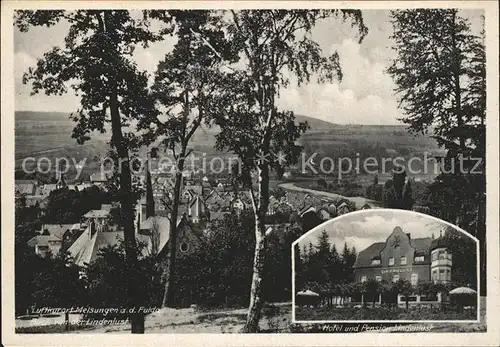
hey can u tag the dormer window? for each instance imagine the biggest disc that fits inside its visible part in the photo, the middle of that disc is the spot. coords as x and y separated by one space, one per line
376 261
391 261
403 260
419 258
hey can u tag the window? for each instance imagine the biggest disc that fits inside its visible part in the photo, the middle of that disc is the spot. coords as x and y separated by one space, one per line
363 279
403 260
184 247
434 256
419 258
391 261
442 255
434 276
395 278
442 275
378 278
375 261
414 279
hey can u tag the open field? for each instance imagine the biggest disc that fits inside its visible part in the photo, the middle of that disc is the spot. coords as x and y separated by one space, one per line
49 134
359 201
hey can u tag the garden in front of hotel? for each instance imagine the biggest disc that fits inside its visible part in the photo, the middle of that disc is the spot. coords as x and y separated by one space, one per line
385 312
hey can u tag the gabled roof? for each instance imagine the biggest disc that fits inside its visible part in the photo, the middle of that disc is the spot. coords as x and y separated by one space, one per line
34 199
43 240
47 189
364 259
195 200
98 177
80 247
25 188
323 213
342 205
106 206
81 186
58 229
422 244
195 188
97 214
163 225
86 248
16 182
306 209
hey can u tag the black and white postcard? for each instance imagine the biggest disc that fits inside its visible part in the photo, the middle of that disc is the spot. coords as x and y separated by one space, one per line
248 173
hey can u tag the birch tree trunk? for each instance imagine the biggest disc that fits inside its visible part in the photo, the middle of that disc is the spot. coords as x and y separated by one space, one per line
256 302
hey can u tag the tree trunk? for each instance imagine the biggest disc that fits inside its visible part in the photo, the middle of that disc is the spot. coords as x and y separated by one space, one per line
126 203
168 295
66 319
127 215
150 202
254 310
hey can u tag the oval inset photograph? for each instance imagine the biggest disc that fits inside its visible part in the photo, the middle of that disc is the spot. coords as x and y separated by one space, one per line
386 265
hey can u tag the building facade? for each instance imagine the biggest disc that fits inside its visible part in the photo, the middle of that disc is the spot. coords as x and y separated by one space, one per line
400 257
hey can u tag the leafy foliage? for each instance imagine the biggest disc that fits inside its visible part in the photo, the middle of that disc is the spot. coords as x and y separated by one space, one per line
440 75
185 92
324 270
398 192
106 281
57 283
68 206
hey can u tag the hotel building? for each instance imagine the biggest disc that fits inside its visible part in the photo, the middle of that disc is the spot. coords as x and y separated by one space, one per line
401 257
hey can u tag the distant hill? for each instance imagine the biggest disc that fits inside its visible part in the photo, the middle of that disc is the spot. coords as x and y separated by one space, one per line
20 116
314 123
42 116
49 133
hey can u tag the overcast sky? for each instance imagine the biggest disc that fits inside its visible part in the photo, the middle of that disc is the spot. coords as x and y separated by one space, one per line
365 95
363 229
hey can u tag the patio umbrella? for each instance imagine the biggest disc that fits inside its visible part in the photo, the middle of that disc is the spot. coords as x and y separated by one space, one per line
463 290
308 293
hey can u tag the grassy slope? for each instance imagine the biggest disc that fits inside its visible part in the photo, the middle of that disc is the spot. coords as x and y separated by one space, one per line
231 321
